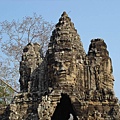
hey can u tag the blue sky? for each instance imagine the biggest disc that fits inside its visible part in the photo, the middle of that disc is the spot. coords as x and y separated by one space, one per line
92 19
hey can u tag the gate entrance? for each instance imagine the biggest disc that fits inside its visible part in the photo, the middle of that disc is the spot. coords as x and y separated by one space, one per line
64 109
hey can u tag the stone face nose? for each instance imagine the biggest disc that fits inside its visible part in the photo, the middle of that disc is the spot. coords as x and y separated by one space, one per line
61 69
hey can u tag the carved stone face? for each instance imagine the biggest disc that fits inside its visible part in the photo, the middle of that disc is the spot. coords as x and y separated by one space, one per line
65 70
62 68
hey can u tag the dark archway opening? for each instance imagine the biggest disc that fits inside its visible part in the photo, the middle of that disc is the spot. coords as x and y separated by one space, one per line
64 109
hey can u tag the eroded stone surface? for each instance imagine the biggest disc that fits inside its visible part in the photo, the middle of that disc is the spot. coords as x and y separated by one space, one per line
67 81
65 54
30 61
32 69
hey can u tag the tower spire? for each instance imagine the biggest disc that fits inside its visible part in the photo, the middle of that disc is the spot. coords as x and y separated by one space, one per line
65 49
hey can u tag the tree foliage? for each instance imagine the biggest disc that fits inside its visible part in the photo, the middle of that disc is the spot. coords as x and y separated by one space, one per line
14 36
6 93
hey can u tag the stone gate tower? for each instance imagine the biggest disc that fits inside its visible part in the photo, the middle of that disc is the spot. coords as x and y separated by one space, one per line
67 82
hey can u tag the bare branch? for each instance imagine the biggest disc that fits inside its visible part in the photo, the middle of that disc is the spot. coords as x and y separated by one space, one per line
15 35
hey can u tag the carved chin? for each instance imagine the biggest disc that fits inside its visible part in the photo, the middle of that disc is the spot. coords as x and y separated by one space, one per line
61 76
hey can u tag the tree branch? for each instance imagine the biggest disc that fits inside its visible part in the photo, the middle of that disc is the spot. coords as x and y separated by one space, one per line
9 86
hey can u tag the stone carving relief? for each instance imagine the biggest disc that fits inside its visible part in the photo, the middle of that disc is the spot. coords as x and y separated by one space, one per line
67 81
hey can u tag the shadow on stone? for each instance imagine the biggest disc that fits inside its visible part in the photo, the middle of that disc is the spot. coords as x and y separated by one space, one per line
6 112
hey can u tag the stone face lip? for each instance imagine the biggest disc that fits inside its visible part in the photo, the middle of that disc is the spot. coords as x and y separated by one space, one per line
67 82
